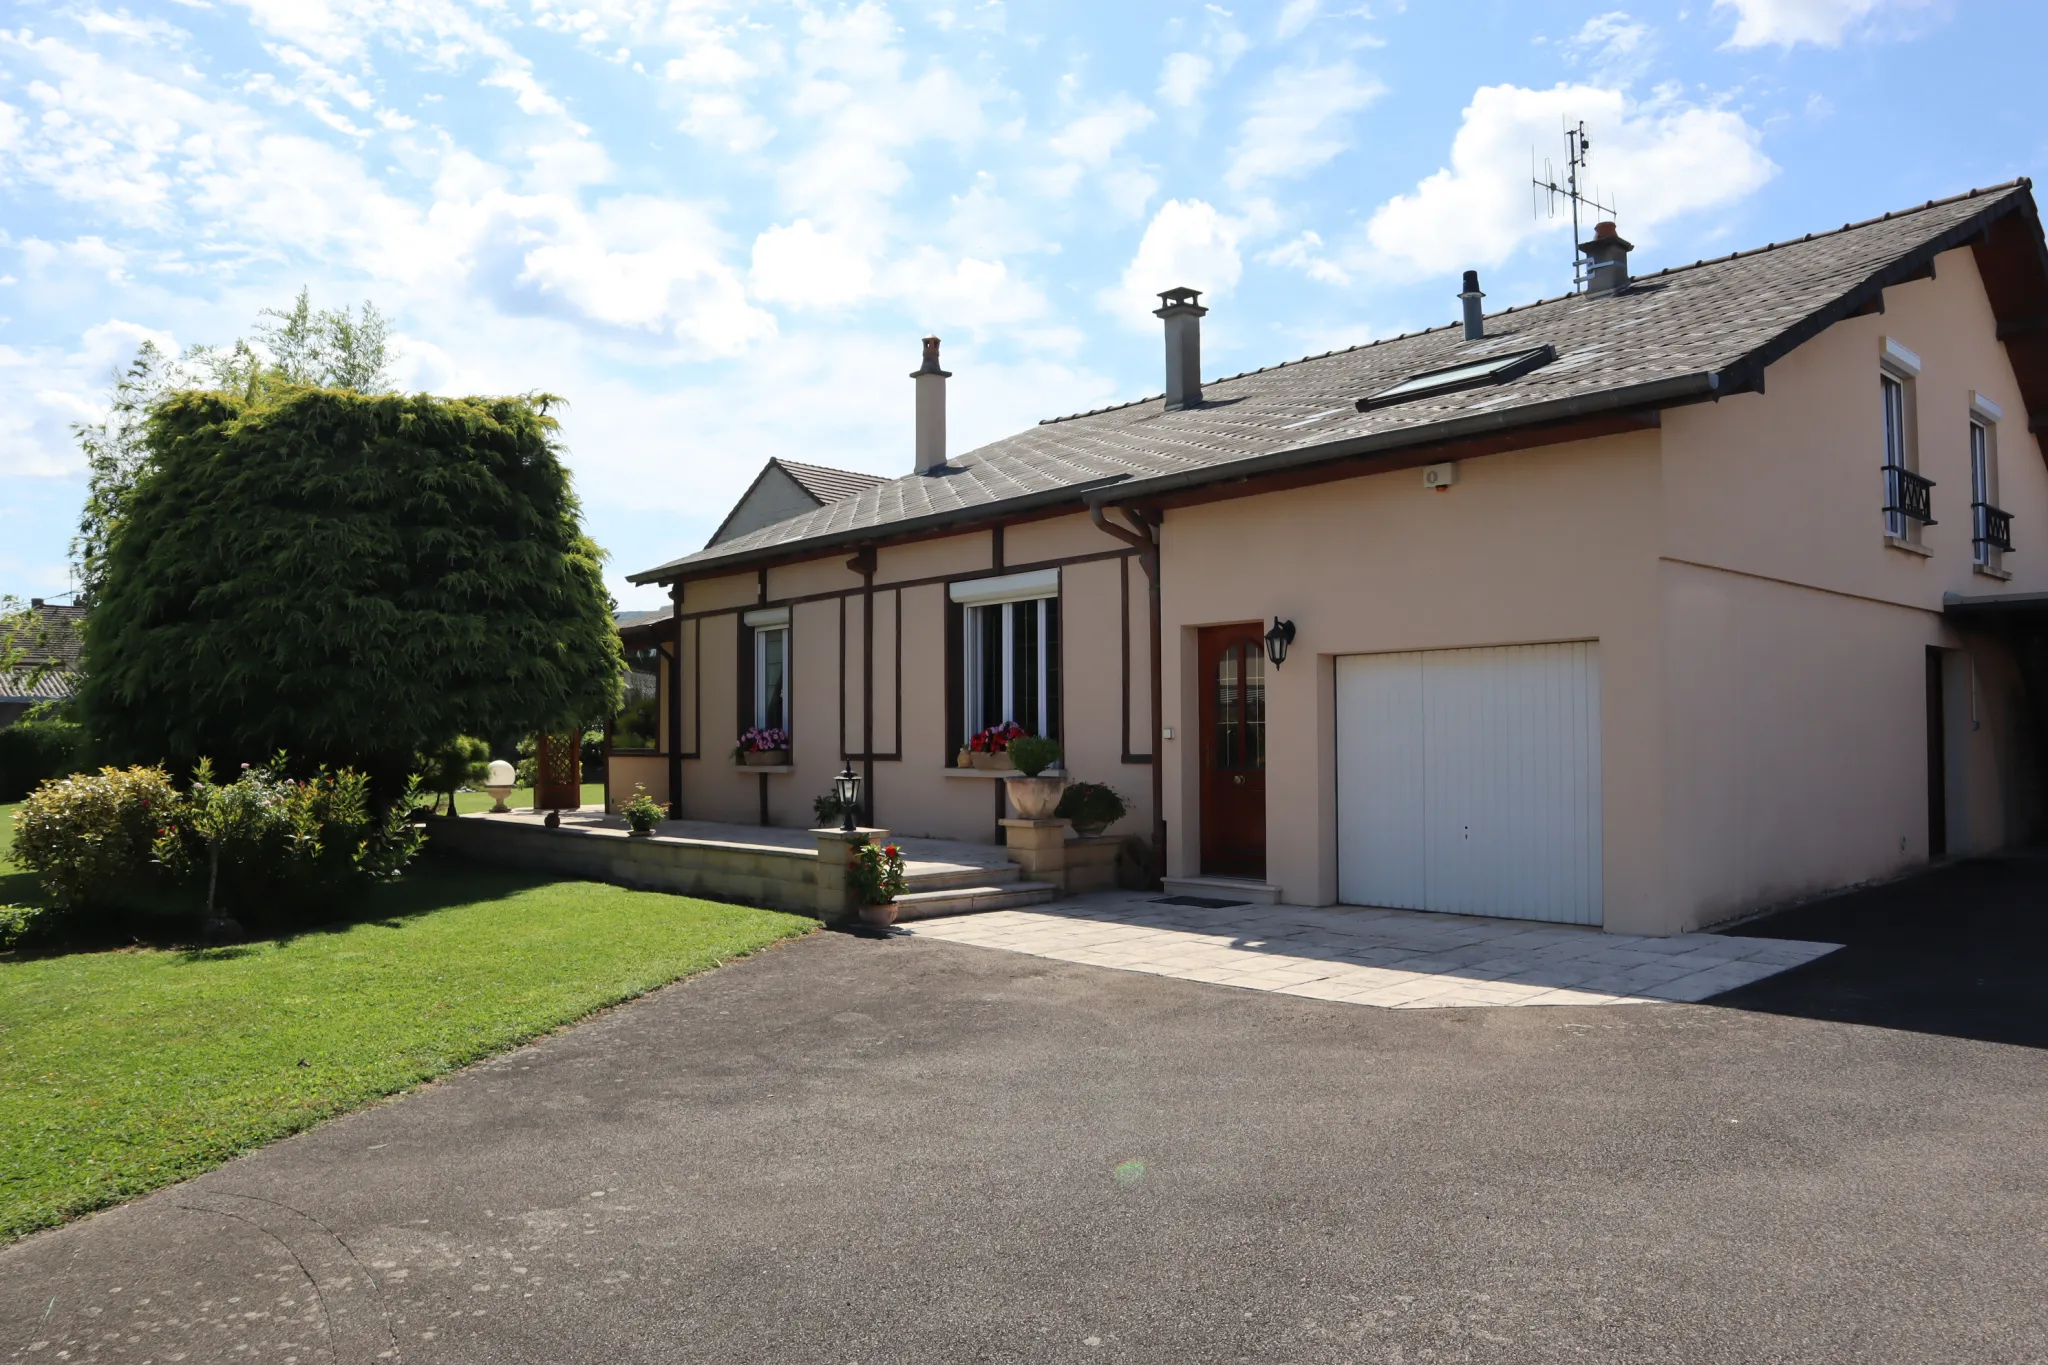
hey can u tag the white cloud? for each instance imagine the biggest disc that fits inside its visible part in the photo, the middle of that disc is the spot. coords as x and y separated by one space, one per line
1660 160
1305 253
1091 138
1184 76
1783 23
1294 17
726 121
1298 123
804 267
1186 244
1616 47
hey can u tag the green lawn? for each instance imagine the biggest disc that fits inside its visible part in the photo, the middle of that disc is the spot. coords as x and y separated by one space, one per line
469 803
123 1071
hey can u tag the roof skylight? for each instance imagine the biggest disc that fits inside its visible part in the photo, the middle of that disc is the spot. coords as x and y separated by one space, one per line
1496 369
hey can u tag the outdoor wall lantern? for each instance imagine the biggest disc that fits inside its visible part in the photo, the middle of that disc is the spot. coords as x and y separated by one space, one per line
846 787
1277 640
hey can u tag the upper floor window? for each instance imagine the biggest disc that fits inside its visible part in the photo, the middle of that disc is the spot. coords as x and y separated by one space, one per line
1908 498
1010 652
1990 526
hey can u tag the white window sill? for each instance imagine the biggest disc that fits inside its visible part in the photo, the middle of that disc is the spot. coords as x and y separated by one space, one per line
764 767
1989 571
1911 547
996 772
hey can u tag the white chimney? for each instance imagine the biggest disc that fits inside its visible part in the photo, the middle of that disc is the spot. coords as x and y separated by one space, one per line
931 409
1182 312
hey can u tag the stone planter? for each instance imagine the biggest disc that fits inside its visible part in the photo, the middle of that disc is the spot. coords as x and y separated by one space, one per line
639 834
766 758
1089 831
880 916
994 763
1034 798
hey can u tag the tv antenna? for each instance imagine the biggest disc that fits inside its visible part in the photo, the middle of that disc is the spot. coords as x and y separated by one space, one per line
1576 145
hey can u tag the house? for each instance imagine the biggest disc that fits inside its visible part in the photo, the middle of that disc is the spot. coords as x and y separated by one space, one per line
49 664
1644 606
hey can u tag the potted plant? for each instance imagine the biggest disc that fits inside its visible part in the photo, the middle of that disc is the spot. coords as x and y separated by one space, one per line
877 874
1091 807
990 749
1033 796
642 813
763 747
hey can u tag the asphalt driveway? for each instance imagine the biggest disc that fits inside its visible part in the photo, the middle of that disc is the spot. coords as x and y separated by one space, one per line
853 1152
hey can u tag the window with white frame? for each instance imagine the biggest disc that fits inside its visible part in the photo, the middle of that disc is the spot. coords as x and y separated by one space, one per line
770 628
1908 498
1010 652
1990 526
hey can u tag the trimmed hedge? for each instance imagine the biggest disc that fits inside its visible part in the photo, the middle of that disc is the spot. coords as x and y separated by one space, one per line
34 751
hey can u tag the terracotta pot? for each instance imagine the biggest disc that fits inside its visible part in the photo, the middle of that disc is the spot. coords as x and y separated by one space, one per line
881 916
767 758
1034 798
994 763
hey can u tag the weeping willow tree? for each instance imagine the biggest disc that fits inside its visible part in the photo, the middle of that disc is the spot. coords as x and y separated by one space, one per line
349 577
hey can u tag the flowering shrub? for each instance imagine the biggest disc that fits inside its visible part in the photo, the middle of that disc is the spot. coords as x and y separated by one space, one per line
88 837
877 873
996 739
643 811
761 741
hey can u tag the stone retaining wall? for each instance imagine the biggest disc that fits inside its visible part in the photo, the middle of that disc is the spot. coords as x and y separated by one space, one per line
779 879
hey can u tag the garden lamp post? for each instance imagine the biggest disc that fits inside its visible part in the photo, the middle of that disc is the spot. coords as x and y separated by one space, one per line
846 787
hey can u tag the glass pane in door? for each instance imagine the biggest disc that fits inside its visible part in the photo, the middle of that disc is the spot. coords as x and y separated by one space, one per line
1228 746
1254 707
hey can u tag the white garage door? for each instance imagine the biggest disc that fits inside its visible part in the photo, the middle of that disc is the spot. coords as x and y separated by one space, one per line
1468 780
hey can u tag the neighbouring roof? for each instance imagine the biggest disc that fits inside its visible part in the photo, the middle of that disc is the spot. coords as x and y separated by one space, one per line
638 629
821 485
60 624
1677 335
828 485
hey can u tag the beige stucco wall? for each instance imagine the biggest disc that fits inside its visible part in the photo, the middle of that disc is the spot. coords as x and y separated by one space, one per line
1529 547
1795 636
915 794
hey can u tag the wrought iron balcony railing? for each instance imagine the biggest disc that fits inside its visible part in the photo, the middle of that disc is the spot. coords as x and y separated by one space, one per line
1994 528
1908 495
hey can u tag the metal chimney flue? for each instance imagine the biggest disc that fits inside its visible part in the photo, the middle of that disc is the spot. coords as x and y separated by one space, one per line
1182 312
1475 318
931 409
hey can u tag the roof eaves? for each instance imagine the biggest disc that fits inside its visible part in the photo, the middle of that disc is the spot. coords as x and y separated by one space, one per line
1749 371
706 565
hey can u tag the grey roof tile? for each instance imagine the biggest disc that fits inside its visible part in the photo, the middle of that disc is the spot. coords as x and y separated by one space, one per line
1709 318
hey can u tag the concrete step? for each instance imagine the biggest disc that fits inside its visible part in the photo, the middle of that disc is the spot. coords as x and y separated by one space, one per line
962 900
1239 889
947 876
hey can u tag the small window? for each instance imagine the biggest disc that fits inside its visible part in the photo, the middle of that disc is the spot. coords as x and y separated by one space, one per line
1990 526
771 678
637 726
1012 657
1908 498
1493 370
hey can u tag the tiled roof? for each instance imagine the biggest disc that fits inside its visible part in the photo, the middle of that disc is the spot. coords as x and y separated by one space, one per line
60 623
829 485
1688 331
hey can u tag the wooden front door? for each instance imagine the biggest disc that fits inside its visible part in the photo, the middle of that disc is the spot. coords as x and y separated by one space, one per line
1233 746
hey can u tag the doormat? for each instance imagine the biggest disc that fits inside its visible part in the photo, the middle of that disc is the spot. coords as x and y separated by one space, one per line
1198 902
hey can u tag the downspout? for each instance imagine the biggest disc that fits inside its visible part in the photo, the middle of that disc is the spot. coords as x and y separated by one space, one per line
864 565
675 711
1145 537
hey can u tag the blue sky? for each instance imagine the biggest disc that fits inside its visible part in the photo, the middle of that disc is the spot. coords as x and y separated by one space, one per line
720 229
